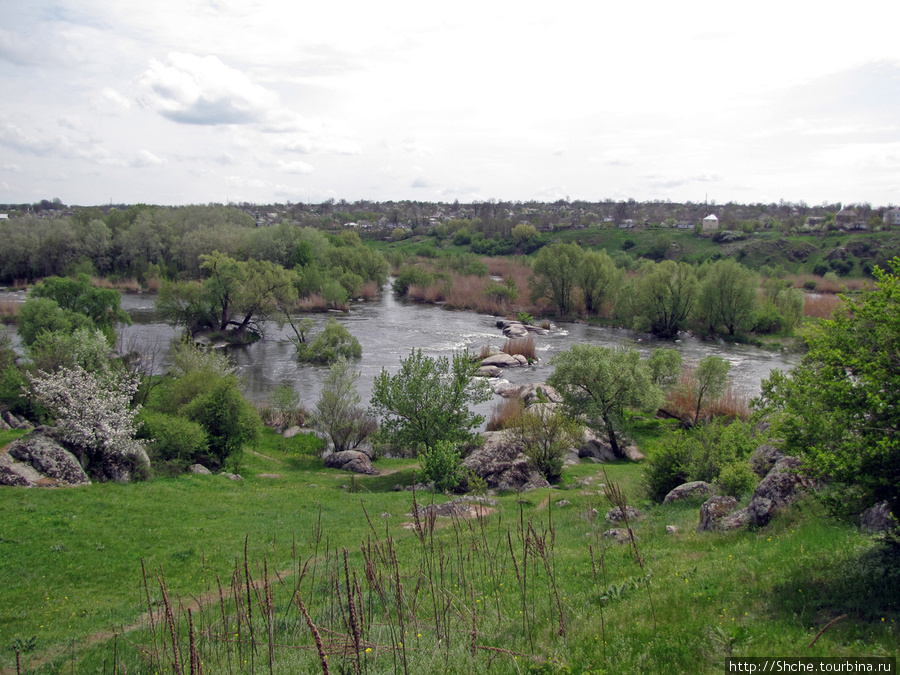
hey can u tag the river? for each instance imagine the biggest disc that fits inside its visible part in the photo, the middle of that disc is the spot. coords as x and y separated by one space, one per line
388 328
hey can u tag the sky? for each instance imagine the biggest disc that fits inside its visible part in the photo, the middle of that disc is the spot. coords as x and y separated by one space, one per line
193 101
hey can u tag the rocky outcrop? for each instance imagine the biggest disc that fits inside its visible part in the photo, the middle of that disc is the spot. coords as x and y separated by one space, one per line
10 421
350 460
693 490
877 518
39 460
764 458
714 510
501 463
121 467
461 507
783 484
504 360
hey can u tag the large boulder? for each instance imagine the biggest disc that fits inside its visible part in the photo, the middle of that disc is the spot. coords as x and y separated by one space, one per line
350 460
714 510
38 459
691 490
764 458
501 463
489 371
877 518
122 467
504 360
781 486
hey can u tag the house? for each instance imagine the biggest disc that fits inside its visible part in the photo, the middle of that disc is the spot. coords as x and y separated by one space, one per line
711 222
684 225
845 218
892 217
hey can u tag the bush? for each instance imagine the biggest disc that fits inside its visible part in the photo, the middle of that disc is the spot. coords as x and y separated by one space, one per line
230 421
736 479
442 465
333 343
700 454
172 437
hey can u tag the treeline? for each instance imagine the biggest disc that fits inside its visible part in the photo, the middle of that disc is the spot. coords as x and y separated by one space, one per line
721 297
146 243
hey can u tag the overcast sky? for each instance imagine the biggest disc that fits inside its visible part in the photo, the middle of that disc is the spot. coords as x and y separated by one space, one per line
191 101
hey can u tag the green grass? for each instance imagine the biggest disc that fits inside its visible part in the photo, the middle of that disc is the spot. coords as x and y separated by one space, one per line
71 562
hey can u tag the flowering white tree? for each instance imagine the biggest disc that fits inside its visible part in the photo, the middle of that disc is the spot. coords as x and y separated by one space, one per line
93 410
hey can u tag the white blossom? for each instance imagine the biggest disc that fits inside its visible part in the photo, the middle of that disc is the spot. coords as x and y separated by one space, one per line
92 410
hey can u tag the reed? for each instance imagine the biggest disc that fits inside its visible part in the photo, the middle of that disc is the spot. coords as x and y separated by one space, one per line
820 306
524 346
9 311
505 414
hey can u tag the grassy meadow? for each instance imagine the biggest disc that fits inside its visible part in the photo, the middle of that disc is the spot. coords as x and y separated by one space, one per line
300 569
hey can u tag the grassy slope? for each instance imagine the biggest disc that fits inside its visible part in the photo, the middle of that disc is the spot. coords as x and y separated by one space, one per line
797 253
70 561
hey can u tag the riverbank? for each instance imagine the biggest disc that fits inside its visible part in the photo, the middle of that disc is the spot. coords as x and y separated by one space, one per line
82 564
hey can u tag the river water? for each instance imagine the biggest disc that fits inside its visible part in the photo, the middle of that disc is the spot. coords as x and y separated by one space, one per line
388 328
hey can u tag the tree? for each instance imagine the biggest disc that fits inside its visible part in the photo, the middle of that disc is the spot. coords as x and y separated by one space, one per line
428 400
338 413
712 378
598 278
101 305
230 420
333 343
599 383
727 297
93 411
554 279
546 434
839 409
664 297
665 366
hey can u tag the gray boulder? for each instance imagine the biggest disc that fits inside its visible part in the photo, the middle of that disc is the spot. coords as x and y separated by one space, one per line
616 515
691 490
489 371
621 535
199 470
877 518
14 422
350 460
501 463
764 458
514 329
504 360
290 432
49 462
714 510
122 467
781 486
538 392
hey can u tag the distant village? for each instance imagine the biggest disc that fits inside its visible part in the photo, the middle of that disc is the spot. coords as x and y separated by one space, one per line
419 217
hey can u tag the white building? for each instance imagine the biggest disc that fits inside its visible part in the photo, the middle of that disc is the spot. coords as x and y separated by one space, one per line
711 222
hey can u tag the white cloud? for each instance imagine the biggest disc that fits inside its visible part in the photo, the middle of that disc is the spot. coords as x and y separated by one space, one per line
145 158
295 167
118 102
203 90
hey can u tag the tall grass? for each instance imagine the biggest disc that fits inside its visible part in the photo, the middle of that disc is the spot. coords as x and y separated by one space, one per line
820 306
9 311
523 346
505 414
830 286
681 401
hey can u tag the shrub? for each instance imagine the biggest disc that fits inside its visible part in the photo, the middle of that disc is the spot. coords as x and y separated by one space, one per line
92 410
333 343
699 454
172 437
442 465
546 435
736 479
230 421
338 414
